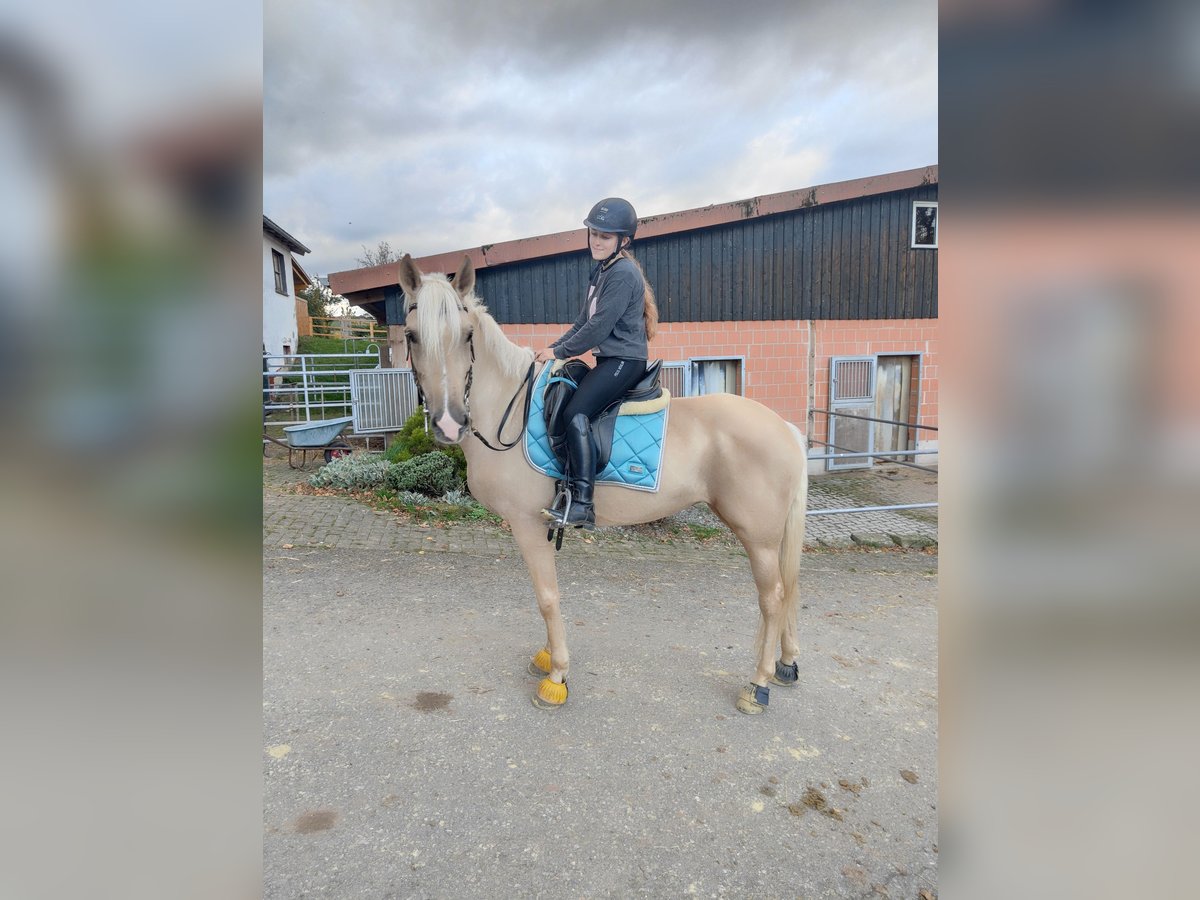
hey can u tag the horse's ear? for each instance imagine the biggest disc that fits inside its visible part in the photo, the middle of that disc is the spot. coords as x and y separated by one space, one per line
410 276
464 279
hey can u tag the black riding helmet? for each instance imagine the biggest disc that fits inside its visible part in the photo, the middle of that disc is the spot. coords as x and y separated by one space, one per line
613 215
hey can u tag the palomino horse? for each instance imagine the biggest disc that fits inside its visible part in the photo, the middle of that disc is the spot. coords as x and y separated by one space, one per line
743 460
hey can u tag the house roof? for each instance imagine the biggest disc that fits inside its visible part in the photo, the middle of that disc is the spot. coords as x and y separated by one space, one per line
283 237
298 271
359 281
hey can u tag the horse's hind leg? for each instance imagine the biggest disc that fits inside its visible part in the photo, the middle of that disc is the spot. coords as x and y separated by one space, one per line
553 661
764 562
789 647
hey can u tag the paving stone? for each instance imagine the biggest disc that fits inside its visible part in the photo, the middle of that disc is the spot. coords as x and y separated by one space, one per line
339 521
835 543
871 540
913 541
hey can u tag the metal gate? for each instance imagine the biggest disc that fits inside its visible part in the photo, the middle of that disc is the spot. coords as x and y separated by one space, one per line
309 387
851 392
382 399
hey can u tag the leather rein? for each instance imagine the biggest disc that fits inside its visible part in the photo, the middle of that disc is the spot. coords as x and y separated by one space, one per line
526 384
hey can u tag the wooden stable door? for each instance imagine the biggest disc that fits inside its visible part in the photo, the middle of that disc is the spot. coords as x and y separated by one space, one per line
896 379
879 387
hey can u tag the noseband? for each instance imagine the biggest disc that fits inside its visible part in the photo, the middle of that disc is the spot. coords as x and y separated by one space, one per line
526 384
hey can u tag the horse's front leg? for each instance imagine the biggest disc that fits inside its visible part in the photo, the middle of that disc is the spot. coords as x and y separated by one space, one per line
552 661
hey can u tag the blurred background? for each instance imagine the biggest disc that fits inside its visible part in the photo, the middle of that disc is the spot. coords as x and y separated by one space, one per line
130 630
130 626
1070 571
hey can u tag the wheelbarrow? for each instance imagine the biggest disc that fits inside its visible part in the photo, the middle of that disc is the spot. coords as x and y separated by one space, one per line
325 436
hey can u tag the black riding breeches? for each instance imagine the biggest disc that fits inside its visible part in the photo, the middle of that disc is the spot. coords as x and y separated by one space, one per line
608 381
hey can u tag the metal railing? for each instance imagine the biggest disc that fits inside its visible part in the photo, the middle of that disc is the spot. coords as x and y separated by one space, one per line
872 454
308 387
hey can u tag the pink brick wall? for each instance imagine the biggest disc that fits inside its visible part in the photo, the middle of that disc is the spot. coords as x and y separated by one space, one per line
777 355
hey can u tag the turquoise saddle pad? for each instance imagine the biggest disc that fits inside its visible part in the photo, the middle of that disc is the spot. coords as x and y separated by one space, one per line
636 450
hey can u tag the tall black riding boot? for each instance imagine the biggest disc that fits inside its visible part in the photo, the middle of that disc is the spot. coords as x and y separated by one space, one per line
581 473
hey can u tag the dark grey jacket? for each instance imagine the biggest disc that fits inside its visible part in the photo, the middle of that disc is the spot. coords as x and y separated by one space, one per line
617 328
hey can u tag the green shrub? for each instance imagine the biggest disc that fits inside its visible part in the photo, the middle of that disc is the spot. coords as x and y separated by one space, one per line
432 474
411 441
356 472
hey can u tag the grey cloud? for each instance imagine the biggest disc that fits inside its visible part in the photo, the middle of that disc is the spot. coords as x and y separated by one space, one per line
424 122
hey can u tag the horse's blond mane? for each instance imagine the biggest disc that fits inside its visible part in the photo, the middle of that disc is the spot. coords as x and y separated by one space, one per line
437 312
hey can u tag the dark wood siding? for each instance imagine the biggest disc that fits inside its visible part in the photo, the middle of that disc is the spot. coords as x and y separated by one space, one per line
848 260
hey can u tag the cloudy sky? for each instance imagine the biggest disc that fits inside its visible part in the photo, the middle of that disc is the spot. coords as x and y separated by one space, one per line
438 126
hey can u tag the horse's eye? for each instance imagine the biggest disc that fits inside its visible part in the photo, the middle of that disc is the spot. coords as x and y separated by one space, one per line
412 338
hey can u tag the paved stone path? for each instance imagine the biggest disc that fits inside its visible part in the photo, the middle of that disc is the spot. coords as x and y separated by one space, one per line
879 486
341 522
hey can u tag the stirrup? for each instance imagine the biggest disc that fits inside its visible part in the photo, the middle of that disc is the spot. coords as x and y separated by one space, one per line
559 513
556 512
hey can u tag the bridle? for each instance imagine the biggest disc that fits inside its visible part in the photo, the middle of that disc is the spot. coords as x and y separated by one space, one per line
526 384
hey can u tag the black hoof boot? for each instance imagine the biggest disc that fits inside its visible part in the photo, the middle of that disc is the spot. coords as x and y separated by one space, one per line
785 675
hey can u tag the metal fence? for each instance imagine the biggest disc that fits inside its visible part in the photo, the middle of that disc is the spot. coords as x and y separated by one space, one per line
849 453
308 387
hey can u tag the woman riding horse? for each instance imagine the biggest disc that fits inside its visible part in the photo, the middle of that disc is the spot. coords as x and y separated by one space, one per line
618 320
730 452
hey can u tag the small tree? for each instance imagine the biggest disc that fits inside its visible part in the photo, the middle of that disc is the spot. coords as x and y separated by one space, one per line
323 302
314 295
381 255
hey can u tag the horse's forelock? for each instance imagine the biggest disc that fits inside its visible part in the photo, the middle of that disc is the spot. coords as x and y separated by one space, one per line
437 314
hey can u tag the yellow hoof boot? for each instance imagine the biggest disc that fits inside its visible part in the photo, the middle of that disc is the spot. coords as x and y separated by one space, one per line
550 694
753 699
540 664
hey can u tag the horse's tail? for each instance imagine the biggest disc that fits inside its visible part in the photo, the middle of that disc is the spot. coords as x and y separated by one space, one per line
793 535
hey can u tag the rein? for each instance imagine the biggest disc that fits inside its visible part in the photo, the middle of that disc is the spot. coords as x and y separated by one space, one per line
526 384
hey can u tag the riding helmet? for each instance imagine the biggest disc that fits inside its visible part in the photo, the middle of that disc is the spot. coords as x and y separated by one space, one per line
614 216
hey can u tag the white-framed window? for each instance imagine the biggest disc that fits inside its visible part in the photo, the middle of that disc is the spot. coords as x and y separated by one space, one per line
924 224
715 376
703 375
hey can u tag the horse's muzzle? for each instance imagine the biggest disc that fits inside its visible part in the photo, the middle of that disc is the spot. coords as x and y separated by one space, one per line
448 430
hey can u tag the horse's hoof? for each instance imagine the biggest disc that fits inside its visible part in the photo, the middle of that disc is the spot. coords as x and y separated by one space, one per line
785 675
540 664
550 695
753 699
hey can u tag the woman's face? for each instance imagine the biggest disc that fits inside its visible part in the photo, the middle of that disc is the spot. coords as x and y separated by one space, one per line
602 243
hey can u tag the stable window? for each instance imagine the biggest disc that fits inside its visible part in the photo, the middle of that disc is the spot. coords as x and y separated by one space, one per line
702 376
924 224
280 280
715 376
673 376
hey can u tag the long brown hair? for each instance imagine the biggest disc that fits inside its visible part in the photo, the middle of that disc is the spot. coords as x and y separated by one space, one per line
650 309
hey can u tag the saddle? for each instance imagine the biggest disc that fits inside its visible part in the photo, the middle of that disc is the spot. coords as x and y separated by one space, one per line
644 397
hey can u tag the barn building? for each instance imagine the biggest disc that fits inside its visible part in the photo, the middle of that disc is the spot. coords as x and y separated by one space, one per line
778 298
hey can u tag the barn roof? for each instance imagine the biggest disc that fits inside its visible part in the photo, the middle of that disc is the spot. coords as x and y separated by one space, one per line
359 281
